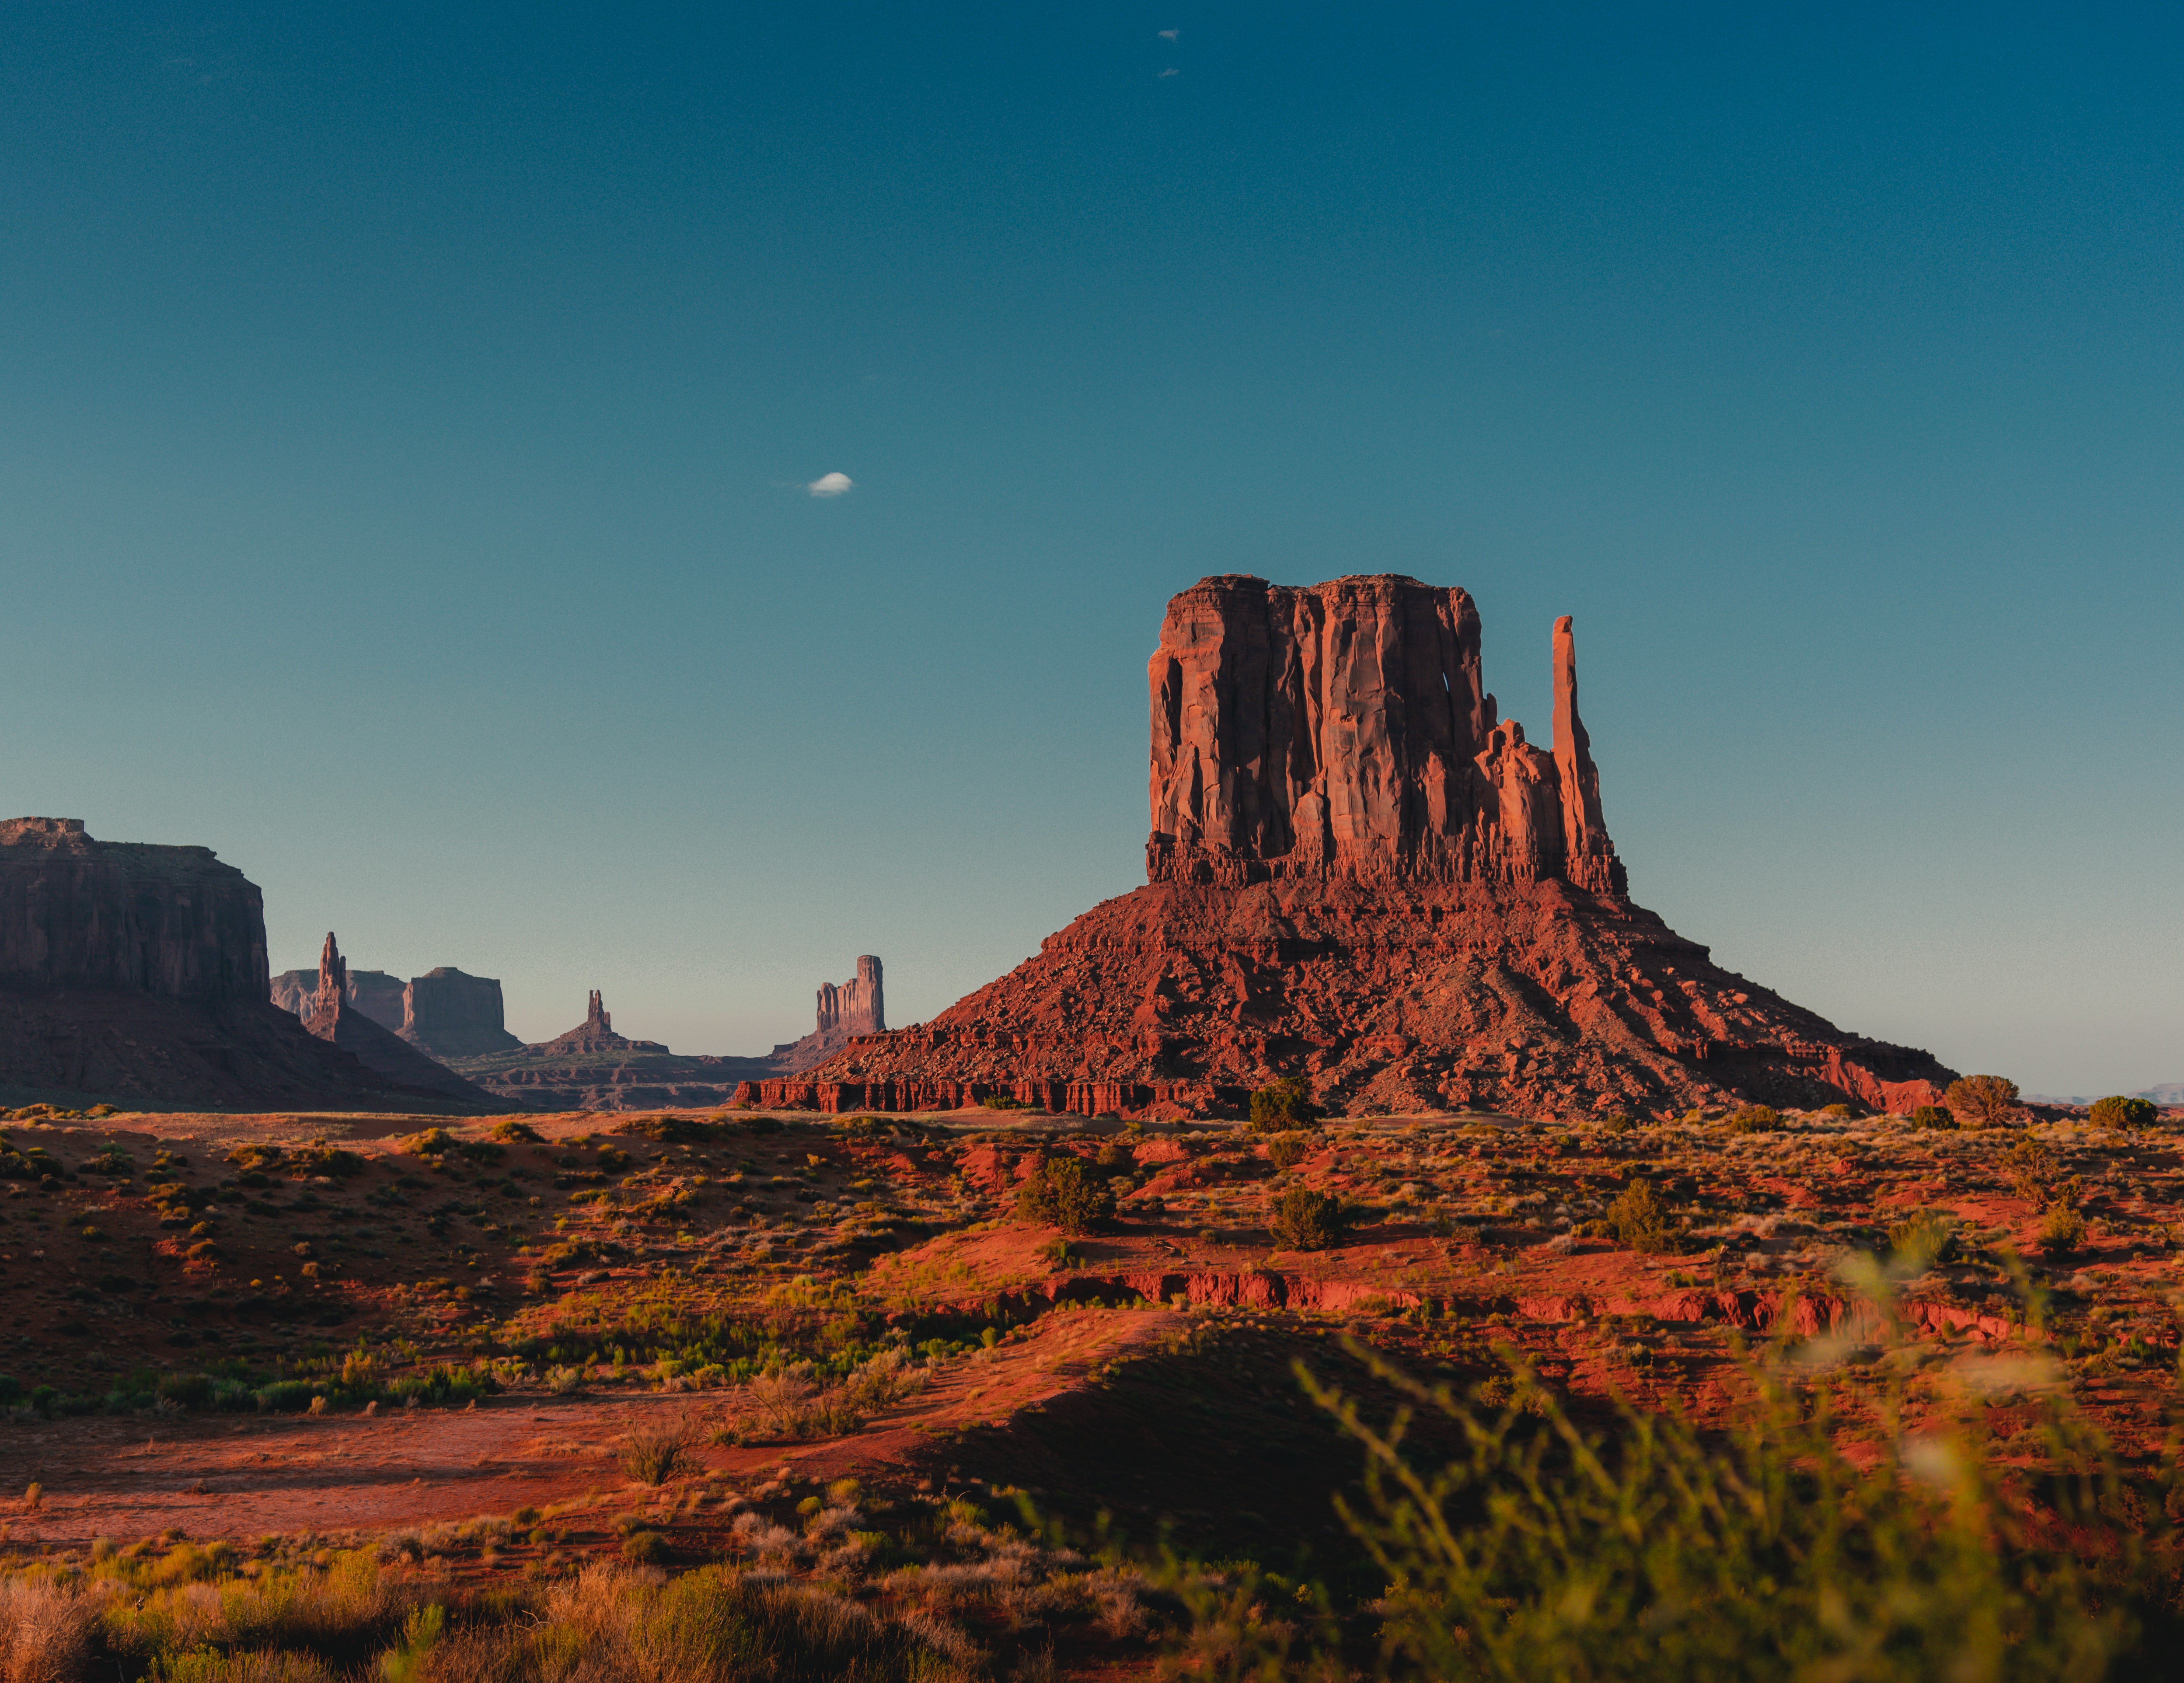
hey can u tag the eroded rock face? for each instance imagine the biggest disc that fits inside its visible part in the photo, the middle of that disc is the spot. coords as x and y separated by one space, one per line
1343 729
854 1008
76 912
375 993
448 1014
137 974
334 1019
1360 874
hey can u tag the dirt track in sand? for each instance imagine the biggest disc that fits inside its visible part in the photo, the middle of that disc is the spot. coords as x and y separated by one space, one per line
224 1476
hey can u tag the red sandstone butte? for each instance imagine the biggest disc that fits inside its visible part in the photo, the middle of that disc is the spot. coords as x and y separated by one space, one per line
1359 873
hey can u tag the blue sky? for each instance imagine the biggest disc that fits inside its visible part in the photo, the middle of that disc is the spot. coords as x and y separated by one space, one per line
405 411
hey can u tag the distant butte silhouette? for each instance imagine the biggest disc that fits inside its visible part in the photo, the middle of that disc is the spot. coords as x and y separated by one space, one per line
1359 874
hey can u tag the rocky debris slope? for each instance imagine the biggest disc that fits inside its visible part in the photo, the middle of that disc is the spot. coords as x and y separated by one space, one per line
336 1020
137 974
1359 874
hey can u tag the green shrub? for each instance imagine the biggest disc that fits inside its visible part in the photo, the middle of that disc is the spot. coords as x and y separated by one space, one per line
287 1396
1287 1150
2062 1231
1841 1113
1305 1220
646 1548
1284 1105
1638 1218
2118 1112
1982 1101
1931 1115
1780 1543
1754 1119
511 1132
1921 1239
190 1390
1062 1193
1617 1121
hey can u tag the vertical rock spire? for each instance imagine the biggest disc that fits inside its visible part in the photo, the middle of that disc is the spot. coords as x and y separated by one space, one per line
333 977
1589 859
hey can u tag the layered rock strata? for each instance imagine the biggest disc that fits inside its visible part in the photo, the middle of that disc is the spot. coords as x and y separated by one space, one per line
1359 873
137 975
591 1067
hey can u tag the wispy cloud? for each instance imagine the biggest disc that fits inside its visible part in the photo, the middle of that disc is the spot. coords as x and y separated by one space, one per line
831 485
1170 34
1170 71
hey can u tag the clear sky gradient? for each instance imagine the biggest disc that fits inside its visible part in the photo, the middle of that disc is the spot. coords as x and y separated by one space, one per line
405 415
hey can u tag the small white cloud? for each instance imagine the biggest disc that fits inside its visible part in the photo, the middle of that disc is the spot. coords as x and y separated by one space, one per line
831 485
1170 71
1170 34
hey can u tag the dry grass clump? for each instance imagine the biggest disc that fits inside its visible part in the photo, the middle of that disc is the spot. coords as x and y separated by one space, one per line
660 1450
609 1625
789 1403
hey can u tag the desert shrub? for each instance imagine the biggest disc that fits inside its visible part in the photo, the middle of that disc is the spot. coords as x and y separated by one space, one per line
1287 1150
1982 1101
511 1132
1004 1101
646 1548
2118 1112
2062 1231
110 1160
438 1142
1638 1218
659 1450
1931 1115
1617 1121
1305 1220
1754 1119
188 1391
1841 1113
1777 1544
287 1396
1284 1105
1062 1193
1922 1239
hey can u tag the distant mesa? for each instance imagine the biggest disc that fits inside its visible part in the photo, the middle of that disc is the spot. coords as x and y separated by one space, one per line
335 1019
1360 874
135 975
591 1067
443 1013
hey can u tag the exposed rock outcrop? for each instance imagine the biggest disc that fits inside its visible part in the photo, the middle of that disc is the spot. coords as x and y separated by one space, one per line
1359 873
375 993
448 1014
335 1019
137 974
80 913
854 1008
